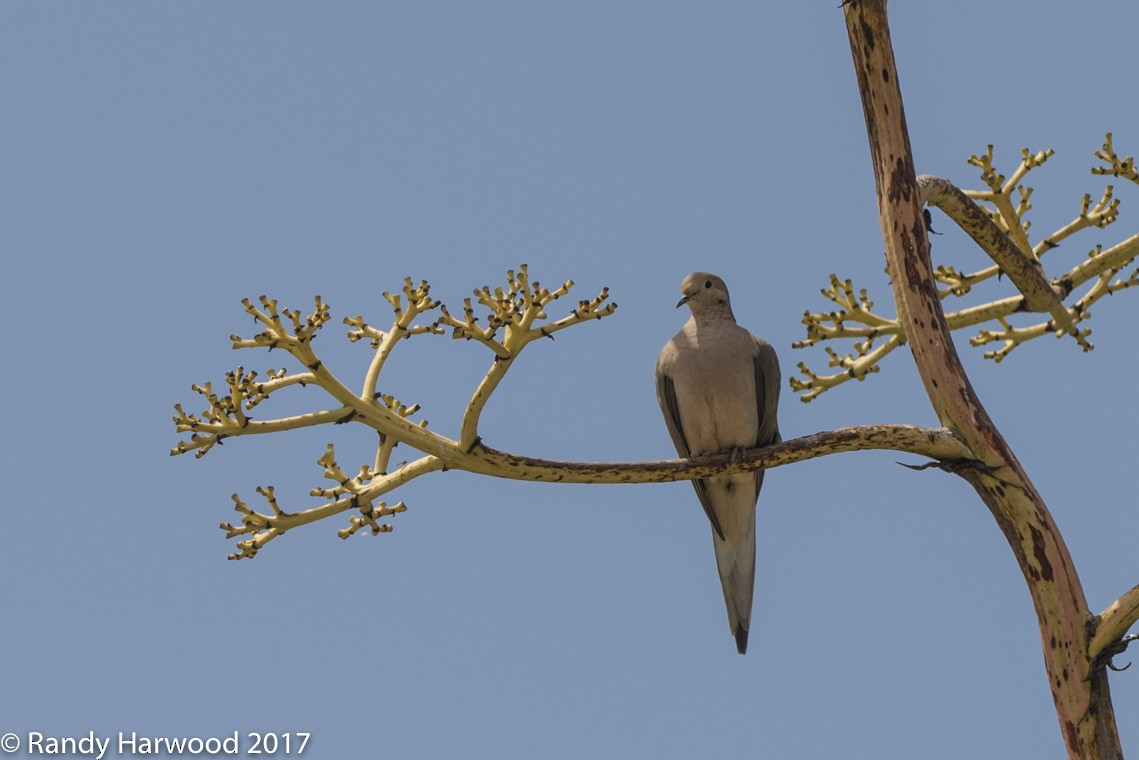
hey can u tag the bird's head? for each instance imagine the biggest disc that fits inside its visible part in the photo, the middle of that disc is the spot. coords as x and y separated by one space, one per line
705 294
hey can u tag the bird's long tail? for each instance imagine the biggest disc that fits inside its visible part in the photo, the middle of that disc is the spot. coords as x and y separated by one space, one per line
735 557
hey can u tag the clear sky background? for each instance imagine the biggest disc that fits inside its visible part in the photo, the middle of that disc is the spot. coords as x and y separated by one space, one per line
161 161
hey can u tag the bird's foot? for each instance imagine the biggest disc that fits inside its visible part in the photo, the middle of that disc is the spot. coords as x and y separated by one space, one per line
737 454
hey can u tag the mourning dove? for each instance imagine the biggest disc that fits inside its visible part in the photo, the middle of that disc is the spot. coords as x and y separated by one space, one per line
718 387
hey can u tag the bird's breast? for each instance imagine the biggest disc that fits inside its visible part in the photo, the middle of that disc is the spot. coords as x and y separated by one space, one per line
718 408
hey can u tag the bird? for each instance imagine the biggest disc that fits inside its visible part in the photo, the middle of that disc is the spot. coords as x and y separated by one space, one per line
718 389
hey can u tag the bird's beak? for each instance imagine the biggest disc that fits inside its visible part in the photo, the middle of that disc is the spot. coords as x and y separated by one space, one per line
683 301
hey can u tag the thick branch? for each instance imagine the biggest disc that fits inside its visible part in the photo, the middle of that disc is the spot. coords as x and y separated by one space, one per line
362 491
935 443
1024 271
1083 708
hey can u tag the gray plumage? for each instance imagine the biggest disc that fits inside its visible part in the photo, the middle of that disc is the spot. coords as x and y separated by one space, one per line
718 387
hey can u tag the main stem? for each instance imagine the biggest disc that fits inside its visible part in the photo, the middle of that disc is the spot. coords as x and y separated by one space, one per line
1083 707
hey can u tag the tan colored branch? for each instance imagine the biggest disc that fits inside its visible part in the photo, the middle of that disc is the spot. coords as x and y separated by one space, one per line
370 411
854 367
1100 261
1101 266
1112 624
515 310
468 430
387 443
517 315
1098 215
297 340
418 302
264 527
277 334
1000 194
855 320
1091 215
1023 269
1116 166
204 435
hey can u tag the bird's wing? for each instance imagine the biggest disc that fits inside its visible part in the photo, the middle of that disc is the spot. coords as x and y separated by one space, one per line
666 396
767 382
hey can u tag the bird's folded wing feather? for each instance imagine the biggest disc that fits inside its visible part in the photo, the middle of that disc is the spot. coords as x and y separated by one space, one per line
666 395
767 381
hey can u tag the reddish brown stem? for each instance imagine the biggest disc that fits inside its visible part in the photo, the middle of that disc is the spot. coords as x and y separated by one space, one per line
1083 707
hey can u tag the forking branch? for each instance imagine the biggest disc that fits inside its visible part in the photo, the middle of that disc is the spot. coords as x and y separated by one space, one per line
511 318
516 318
996 221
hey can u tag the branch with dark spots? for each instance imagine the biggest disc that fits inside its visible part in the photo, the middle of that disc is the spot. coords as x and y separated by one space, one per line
874 336
1026 272
1040 554
1083 709
936 443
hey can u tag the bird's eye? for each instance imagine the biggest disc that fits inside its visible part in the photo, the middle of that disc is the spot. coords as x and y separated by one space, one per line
707 283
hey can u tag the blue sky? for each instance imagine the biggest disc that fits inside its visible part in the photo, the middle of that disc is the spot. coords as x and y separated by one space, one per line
163 161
